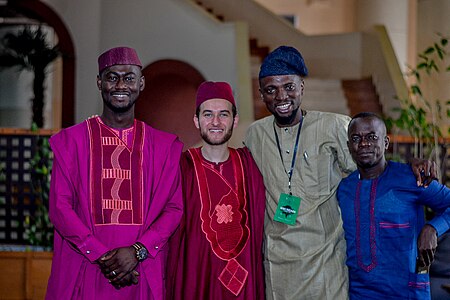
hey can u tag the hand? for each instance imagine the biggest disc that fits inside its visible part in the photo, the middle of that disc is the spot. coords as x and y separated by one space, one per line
424 170
426 245
118 263
127 280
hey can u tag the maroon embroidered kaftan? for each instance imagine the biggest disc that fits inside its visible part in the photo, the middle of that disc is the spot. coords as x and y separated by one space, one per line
217 251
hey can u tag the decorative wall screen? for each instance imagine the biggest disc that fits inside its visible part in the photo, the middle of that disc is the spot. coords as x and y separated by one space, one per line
17 199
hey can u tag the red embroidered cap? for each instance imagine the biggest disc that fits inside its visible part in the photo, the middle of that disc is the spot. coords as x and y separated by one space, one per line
214 90
118 56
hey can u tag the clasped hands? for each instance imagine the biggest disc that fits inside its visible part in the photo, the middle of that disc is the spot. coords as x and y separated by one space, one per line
118 266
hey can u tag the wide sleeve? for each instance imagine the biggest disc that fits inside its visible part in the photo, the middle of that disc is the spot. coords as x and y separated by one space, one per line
177 243
167 205
257 205
64 199
250 137
344 158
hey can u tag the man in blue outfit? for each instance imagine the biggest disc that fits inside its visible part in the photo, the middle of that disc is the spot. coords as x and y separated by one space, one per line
389 245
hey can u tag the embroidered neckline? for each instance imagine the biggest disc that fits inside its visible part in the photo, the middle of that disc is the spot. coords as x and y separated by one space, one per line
122 133
237 191
372 241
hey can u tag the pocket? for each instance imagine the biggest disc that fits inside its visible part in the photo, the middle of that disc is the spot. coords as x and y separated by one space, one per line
395 233
419 286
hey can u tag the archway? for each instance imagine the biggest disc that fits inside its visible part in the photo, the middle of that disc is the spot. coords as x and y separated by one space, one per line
40 11
168 100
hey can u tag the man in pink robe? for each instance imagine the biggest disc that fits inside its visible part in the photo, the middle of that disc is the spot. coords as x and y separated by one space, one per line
217 251
115 195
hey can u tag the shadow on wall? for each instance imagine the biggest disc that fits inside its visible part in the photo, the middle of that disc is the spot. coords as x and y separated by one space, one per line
168 100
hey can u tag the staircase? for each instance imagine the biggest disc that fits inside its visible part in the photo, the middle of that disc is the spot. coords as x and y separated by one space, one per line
362 96
320 94
324 95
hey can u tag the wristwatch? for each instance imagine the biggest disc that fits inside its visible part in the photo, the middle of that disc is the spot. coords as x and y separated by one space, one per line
141 251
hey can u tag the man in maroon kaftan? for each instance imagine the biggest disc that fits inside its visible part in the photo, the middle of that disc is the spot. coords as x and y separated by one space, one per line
217 251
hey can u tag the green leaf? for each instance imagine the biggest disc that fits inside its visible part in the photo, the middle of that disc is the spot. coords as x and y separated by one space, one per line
429 50
424 57
444 41
434 66
422 65
34 127
440 52
415 89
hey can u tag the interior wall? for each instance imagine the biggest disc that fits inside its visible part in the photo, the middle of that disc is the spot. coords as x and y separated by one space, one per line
157 29
394 16
16 89
82 18
316 16
433 17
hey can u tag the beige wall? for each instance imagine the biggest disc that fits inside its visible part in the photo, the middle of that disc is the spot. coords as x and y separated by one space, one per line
433 17
317 16
158 29
392 14
327 56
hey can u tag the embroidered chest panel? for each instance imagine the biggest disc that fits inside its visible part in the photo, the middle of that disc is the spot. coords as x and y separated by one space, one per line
223 206
116 178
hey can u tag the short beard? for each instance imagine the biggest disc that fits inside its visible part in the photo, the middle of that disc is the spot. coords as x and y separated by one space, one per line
120 110
287 120
225 139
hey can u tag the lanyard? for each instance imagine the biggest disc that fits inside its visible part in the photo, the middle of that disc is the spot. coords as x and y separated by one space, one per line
294 155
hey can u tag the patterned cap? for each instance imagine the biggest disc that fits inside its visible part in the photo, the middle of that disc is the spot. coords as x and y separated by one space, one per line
118 56
283 61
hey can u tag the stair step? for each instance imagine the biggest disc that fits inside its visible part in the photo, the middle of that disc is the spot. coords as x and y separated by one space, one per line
362 96
259 51
322 84
324 95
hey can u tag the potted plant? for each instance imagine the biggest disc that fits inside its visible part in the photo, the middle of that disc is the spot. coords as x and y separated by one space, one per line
39 229
28 49
421 114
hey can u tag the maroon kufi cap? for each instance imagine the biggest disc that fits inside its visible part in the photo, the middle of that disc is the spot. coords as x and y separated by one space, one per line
118 56
214 90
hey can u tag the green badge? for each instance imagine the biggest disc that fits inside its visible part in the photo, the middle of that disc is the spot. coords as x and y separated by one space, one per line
287 209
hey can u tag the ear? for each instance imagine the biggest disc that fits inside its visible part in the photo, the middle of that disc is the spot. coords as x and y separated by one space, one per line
386 142
236 121
99 82
302 86
141 83
261 94
197 125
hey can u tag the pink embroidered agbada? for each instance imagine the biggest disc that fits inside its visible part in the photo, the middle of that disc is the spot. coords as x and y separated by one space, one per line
107 192
217 251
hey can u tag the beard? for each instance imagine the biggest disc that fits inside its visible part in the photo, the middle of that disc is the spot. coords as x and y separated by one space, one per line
120 109
222 141
286 120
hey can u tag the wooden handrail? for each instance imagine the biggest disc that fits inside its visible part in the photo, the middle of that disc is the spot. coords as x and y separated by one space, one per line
23 131
410 139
